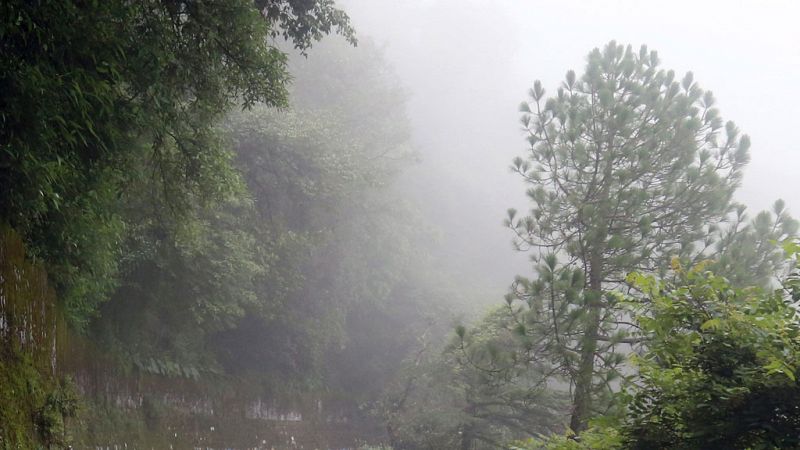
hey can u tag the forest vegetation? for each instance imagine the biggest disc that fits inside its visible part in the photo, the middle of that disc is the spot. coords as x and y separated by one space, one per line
208 239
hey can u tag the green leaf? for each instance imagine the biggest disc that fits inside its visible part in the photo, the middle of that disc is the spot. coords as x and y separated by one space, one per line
711 324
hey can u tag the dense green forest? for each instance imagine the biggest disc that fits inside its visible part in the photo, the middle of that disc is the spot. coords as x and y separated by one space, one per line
211 236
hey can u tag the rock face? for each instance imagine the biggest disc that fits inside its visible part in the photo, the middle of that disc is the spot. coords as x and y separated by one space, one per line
144 410
151 411
29 320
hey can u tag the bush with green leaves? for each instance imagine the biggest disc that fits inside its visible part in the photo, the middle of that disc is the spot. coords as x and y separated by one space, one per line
720 365
717 368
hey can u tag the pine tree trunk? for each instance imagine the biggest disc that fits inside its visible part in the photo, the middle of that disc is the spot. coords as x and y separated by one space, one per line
582 400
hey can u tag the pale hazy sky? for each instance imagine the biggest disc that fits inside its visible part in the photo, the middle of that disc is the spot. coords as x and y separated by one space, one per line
470 62
467 65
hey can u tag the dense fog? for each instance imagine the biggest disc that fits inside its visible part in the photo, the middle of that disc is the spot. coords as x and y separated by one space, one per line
467 65
399 224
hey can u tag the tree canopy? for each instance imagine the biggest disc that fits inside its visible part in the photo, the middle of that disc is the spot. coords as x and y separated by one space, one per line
98 94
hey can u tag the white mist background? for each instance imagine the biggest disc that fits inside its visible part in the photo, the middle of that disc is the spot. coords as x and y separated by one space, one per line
467 65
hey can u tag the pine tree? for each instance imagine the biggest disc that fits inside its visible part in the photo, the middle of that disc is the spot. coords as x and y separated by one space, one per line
745 252
627 168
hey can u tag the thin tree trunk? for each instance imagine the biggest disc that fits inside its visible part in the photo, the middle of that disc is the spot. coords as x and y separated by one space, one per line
466 439
582 400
